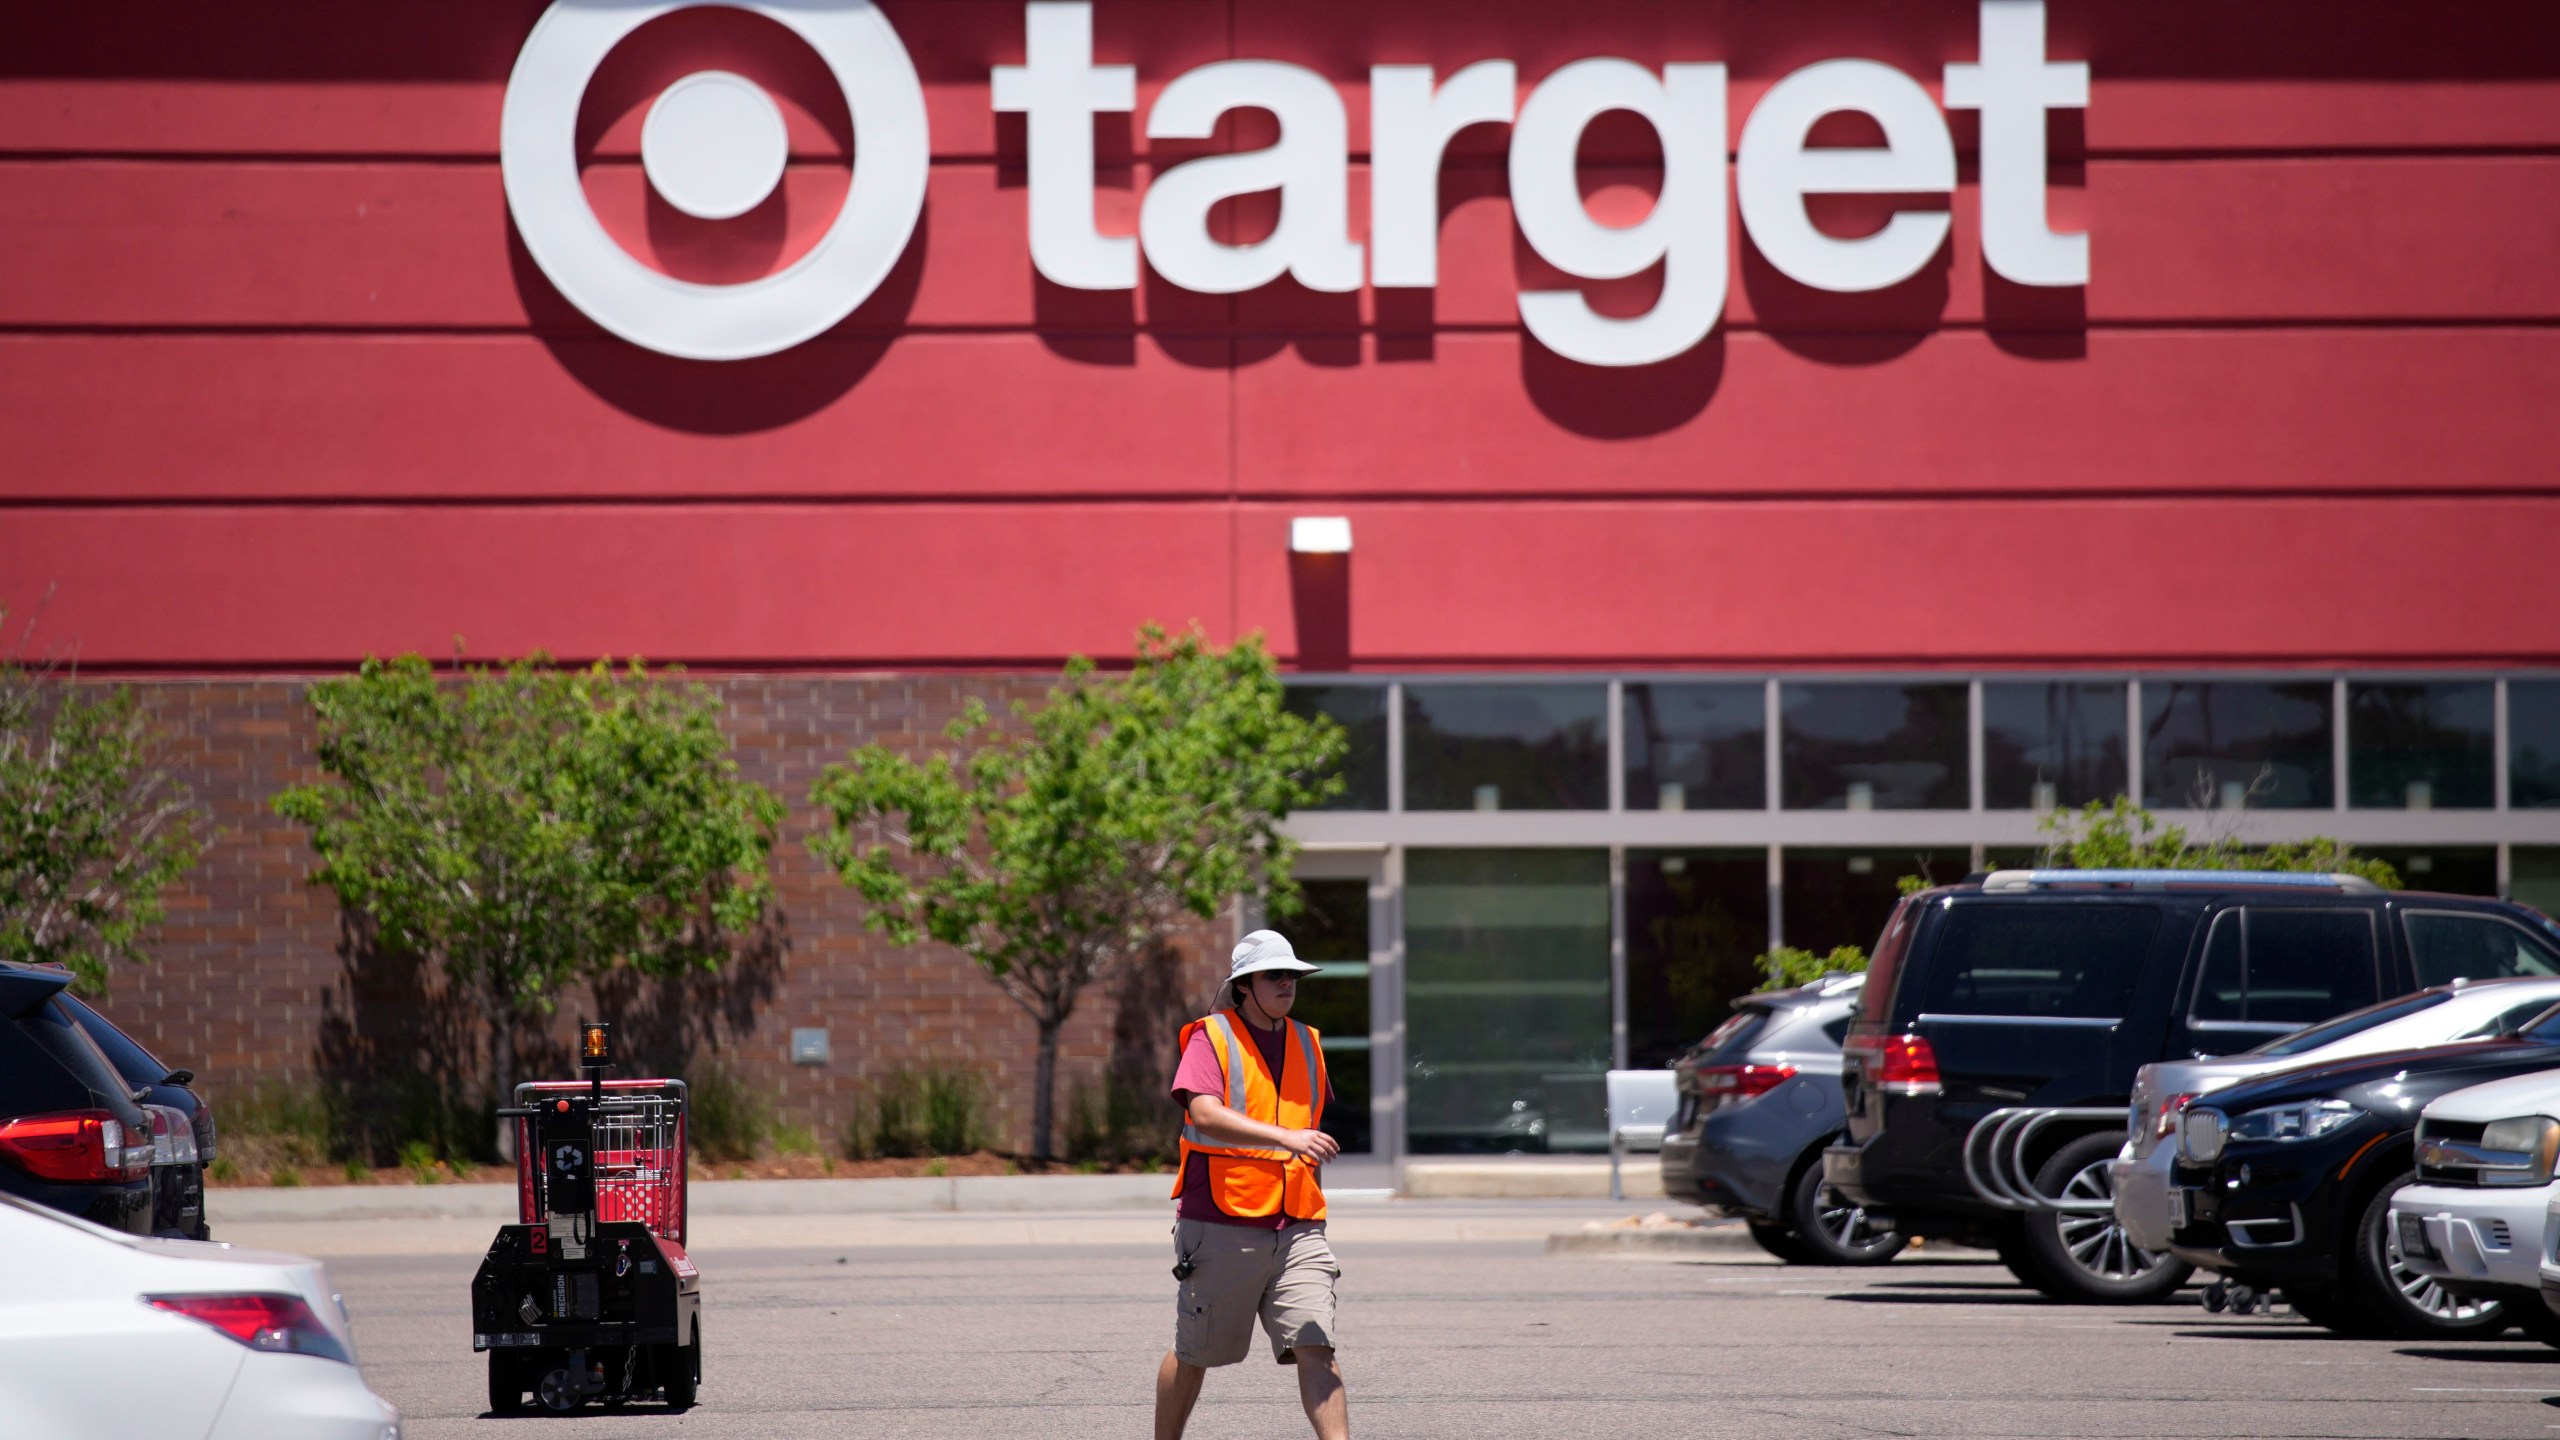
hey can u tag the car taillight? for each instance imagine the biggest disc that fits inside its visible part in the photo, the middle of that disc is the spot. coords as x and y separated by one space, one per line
1901 1064
173 1138
2165 1124
76 1145
205 1136
280 1323
1726 1084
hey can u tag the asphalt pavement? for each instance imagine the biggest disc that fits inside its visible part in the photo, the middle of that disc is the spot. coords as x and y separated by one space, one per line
1455 1324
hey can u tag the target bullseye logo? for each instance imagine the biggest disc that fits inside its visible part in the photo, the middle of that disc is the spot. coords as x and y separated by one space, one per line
714 147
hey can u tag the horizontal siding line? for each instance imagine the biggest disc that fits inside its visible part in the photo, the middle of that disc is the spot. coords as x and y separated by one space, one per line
2112 666
1221 498
2191 325
2130 154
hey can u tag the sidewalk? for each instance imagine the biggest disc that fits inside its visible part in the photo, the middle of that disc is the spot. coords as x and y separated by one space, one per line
457 1220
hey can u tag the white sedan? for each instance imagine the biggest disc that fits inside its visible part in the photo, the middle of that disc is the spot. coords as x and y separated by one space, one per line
105 1336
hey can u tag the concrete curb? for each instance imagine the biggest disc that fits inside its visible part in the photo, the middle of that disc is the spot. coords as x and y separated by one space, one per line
1727 1238
1530 1178
495 1203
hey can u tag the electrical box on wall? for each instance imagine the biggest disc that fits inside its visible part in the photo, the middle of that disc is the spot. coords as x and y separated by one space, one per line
809 1047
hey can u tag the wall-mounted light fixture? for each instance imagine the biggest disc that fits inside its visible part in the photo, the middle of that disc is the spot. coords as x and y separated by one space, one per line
1320 535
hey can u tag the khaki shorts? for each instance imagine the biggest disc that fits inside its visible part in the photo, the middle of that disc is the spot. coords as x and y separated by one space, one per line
1282 1277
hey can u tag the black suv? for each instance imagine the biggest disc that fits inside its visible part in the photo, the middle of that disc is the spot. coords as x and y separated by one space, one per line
72 1136
1988 1072
182 1134
2285 1182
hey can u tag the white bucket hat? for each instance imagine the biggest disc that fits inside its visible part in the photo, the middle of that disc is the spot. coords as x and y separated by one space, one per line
1265 950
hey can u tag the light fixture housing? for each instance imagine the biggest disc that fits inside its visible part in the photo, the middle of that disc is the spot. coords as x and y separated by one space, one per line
1320 535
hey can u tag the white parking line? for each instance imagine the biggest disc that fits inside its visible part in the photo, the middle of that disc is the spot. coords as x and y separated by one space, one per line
2483 1389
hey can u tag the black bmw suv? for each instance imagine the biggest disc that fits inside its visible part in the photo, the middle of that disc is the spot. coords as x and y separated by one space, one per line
2286 1183
1987 1075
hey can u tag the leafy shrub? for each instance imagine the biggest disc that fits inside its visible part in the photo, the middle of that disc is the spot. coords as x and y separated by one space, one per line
1114 1124
795 1140
729 1121
922 1110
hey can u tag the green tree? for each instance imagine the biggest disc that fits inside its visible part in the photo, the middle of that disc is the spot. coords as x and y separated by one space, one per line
1787 967
532 826
2120 835
93 831
1063 845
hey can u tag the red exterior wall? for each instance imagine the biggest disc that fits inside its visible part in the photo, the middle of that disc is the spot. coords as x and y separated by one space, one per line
278 387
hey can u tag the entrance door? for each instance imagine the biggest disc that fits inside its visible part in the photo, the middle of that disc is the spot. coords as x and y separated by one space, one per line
1344 928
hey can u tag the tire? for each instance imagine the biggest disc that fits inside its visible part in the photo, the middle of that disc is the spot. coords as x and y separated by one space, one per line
2400 1302
684 1379
2536 1320
1833 1231
2330 1312
1778 1240
2085 1256
506 1383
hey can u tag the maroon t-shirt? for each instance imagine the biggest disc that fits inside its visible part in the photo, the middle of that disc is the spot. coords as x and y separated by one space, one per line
1199 1074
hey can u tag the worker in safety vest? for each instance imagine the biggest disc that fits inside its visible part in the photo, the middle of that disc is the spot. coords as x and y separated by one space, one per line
1249 1234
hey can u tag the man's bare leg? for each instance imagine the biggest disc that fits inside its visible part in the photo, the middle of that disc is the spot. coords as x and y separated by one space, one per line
1177 1390
1320 1390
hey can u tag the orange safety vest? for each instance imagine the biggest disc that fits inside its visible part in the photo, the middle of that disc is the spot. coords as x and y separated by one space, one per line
1245 1180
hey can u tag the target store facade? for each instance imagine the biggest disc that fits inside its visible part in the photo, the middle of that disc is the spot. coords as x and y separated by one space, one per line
1714 458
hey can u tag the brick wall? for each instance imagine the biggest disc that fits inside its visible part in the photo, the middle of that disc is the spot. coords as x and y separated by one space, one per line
258 981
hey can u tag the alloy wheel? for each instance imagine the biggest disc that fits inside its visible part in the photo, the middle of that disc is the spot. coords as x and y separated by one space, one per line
2095 1242
2422 1292
1848 1224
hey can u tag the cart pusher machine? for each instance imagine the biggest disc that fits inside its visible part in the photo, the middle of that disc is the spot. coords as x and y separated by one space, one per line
591 1296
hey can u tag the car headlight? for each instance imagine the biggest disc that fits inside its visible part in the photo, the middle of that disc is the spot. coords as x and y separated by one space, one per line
2307 1121
2200 1135
2520 1151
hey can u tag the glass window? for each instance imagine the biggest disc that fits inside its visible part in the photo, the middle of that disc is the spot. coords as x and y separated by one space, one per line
2508 1021
1506 1000
2421 747
1872 747
2533 744
2445 869
2040 961
2533 877
1333 931
2353 1023
1361 711
1695 919
2211 744
2274 966
1696 747
1832 898
1506 747
2448 946
2050 745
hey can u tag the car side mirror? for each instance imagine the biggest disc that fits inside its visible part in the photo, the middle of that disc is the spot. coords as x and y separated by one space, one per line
180 1077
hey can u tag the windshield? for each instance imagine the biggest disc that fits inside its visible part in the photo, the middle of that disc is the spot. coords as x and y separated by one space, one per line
2354 1022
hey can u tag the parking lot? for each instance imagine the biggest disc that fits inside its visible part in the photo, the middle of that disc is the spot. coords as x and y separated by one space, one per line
1457 1325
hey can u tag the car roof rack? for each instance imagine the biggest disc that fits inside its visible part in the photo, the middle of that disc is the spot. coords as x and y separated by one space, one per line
2016 880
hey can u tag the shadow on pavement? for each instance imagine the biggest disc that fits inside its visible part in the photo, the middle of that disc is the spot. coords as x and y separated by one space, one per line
2538 1355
